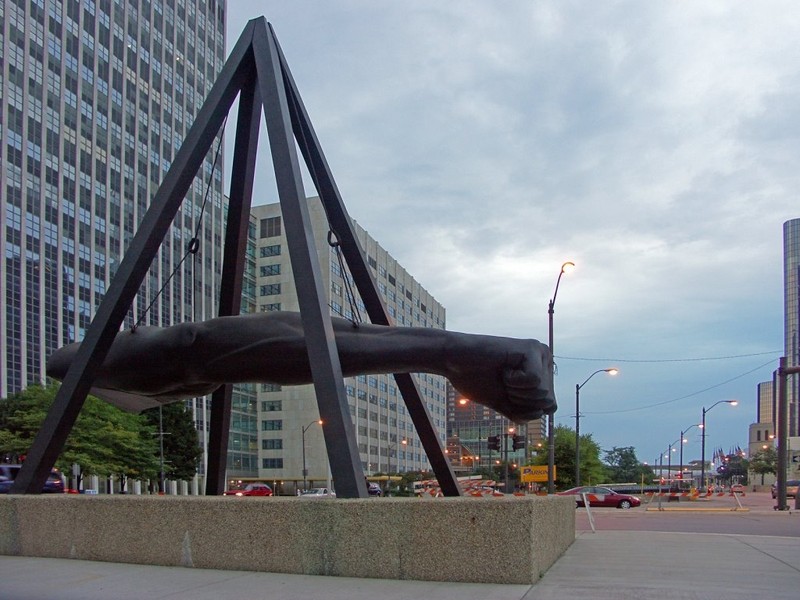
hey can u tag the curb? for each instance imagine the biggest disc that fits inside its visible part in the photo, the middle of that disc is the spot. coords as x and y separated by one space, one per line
697 510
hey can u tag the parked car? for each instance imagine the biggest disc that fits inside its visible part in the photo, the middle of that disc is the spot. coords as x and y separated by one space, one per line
601 496
318 493
791 488
8 473
251 489
374 489
737 488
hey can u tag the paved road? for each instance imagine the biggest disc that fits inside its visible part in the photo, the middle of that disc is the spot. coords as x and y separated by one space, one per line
700 516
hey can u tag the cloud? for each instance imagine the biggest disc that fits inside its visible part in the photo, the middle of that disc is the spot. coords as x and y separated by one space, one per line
654 144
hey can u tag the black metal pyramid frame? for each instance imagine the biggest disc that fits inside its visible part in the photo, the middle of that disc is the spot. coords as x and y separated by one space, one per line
257 72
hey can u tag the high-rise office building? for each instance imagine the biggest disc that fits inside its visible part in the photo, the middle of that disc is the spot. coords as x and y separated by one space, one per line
96 98
762 433
289 431
791 317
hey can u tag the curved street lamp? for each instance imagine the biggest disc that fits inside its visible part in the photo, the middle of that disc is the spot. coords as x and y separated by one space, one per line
703 438
610 371
551 420
305 470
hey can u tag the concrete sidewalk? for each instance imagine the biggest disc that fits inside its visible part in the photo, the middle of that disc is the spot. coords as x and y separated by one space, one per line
606 564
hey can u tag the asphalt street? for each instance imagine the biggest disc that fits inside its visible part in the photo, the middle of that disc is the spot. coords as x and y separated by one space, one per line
718 514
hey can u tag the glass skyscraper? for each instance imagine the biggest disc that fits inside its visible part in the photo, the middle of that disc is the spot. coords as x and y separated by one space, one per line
791 315
96 98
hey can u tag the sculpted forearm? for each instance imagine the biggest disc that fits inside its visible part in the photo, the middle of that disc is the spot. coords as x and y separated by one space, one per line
192 359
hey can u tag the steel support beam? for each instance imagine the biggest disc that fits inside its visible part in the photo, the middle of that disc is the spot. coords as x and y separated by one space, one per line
241 194
326 370
341 224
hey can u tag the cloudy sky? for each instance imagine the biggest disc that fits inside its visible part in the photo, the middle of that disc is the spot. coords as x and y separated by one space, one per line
654 144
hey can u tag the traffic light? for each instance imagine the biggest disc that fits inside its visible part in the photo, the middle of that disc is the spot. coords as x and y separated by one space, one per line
519 442
494 442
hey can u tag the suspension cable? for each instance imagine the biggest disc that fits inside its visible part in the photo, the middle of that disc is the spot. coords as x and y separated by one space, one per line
193 246
333 238
356 319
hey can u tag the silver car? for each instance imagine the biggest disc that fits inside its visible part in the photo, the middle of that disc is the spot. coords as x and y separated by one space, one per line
318 493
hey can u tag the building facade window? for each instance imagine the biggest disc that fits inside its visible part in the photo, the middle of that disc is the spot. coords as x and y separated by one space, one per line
271 289
267 270
270 227
272 425
273 250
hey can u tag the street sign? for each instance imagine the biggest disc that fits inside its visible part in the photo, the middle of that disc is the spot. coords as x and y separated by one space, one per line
535 474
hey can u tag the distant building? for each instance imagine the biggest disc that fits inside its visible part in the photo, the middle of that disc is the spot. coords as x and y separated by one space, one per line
243 432
791 316
537 432
762 433
386 438
469 425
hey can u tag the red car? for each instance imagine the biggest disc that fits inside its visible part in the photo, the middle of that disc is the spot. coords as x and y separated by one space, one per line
251 489
601 496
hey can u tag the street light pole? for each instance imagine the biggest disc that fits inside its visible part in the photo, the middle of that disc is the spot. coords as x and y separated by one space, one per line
611 371
683 441
669 457
305 470
161 449
505 451
703 440
551 420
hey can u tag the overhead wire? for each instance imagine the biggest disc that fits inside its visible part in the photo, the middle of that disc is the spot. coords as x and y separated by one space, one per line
663 402
668 360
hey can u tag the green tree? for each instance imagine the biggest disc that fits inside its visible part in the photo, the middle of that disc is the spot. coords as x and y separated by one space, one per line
764 461
592 469
734 469
624 467
182 449
104 440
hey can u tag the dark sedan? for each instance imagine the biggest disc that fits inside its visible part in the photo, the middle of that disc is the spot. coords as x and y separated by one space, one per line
601 496
8 473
